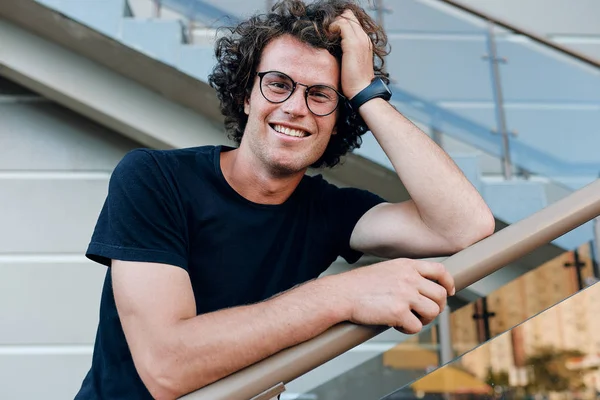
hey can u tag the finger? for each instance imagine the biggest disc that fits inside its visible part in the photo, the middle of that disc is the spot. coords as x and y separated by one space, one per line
433 291
346 24
355 25
349 16
410 324
342 19
437 272
425 309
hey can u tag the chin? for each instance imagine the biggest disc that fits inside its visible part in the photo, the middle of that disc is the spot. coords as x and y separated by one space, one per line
289 166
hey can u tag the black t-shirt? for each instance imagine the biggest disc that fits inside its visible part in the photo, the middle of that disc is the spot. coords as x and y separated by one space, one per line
175 207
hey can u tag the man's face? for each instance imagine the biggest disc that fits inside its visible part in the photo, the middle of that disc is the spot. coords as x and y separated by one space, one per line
281 152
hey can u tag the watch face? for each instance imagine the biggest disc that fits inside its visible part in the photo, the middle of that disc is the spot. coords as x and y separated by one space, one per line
387 93
377 88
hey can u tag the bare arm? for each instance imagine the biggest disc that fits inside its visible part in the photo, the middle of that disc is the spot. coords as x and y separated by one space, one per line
175 351
445 213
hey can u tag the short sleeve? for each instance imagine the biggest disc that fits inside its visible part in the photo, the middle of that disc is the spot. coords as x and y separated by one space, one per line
344 208
142 218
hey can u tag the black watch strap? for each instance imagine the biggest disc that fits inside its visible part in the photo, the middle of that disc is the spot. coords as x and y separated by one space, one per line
377 88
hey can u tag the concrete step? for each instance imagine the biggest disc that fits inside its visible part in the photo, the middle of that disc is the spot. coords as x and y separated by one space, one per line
196 61
103 15
159 39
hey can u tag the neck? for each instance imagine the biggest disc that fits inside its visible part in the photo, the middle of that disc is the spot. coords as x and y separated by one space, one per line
256 183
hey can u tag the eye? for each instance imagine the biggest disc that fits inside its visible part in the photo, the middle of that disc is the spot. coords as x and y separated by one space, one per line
280 85
322 94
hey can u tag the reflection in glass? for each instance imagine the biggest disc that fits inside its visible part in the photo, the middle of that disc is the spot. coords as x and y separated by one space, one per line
554 355
506 307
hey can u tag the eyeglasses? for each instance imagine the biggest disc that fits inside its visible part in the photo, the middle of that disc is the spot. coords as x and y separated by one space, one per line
276 87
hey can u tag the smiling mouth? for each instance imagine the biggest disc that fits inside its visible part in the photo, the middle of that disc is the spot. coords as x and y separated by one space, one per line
289 131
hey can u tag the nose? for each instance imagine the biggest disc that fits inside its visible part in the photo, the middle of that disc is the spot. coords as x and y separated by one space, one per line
296 104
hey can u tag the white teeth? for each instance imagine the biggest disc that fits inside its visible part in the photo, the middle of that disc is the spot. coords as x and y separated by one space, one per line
288 131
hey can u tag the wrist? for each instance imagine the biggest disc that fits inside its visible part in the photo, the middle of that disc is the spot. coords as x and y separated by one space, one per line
338 300
359 87
377 88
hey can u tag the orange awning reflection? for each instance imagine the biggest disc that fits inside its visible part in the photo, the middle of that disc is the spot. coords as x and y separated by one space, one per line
451 380
410 356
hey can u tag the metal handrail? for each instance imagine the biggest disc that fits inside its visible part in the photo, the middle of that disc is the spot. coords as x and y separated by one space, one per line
537 38
467 267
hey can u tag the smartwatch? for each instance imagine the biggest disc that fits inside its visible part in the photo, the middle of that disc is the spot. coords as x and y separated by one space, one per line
377 88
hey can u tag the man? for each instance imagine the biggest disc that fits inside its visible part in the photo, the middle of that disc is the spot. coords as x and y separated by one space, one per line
213 251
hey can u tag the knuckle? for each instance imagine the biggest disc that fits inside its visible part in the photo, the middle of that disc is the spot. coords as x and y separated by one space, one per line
412 278
439 268
400 311
442 306
431 313
442 293
414 327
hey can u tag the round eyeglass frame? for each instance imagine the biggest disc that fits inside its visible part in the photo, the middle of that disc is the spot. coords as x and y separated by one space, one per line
341 97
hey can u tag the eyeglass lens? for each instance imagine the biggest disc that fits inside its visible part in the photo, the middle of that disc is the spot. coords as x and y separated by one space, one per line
277 87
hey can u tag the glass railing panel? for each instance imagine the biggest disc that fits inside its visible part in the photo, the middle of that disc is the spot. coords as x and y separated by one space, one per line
522 298
470 325
552 355
441 77
215 13
551 102
437 61
553 105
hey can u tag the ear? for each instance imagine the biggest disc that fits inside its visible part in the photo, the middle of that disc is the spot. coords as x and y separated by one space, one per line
247 105
334 131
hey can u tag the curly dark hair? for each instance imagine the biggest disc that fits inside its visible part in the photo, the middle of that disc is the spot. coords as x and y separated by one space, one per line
239 51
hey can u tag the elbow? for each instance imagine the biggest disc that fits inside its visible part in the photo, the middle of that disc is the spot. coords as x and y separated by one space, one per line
160 381
162 376
478 228
167 378
486 225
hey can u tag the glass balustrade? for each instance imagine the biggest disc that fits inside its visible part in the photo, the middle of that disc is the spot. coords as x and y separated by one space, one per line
553 355
503 93
392 360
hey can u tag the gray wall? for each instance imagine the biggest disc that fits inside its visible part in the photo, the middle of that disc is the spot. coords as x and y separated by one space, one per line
54 170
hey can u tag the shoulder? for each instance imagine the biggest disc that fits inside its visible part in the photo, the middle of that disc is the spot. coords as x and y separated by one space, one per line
156 163
165 157
317 184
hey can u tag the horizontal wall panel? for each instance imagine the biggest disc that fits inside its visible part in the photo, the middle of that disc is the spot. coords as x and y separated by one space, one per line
48 377
52 215
46 136
49 303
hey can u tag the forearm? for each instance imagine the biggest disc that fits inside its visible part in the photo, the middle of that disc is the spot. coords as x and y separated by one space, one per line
208 347
446 201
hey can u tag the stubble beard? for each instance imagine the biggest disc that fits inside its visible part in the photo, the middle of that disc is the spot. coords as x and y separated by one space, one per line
268 157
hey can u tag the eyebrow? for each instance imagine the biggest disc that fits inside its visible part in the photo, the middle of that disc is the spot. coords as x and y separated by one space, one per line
331 85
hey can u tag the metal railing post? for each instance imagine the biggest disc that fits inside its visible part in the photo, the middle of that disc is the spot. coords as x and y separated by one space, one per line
157 8
596 245
444 337
379 10
436 136
493 59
